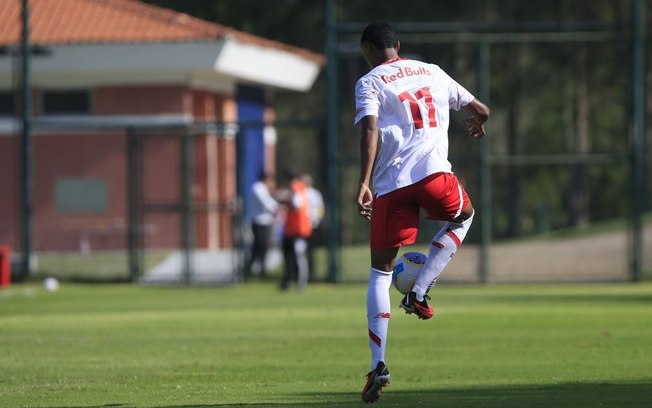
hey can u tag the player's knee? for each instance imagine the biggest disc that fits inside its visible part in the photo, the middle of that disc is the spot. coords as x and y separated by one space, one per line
466 214
383 259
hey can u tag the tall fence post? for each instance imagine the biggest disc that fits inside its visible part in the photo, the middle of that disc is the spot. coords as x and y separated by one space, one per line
486 226
638 136
332 122
26 145
134 204
187 227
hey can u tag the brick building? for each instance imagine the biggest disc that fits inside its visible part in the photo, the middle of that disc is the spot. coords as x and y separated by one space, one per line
125 62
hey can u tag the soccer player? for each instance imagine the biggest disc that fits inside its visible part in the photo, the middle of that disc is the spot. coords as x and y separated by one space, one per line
402 107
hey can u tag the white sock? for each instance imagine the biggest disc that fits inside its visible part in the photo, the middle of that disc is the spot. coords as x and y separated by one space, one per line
378 312
443 247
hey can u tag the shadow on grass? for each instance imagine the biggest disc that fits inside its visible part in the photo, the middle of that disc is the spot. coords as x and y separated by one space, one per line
82 279
552 299
575 395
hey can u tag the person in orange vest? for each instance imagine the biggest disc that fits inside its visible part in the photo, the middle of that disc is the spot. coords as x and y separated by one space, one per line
298 228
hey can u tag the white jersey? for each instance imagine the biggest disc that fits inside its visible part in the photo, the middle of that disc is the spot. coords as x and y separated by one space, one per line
411 100
263 204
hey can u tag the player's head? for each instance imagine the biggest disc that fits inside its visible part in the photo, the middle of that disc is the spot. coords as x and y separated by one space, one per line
307 179
381 35
379 43
267 178
264 175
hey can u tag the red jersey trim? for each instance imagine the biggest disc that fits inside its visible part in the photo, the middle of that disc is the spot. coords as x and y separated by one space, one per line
393 60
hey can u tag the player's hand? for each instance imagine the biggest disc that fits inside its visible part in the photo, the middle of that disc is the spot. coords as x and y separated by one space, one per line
474 127
365 201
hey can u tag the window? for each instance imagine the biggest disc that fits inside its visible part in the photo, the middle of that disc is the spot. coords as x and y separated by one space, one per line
7 103
81 195
66 102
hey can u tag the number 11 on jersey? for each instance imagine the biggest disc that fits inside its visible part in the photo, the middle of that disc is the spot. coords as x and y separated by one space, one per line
413 100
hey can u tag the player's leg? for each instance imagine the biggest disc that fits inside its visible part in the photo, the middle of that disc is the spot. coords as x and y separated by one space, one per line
265 238
456 207
442 249
393 223
378 302
255 251
390 220
259 248
289 262
378 314
300 248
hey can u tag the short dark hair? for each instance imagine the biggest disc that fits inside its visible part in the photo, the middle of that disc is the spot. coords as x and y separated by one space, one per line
380 34
264 175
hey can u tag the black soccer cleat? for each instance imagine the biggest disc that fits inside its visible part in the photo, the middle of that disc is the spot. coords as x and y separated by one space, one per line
376 380
422 309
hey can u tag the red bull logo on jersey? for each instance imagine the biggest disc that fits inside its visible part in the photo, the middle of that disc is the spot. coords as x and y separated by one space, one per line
404 73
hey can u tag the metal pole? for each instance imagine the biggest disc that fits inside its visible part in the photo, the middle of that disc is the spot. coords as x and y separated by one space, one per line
26 145
332 121
638 137
187 227
134 188
484 263
482 29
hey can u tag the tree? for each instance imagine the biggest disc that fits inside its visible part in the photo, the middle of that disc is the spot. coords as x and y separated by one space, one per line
547 98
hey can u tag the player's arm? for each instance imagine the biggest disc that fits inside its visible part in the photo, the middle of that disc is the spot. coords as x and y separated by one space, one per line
368 149
475 123
265 197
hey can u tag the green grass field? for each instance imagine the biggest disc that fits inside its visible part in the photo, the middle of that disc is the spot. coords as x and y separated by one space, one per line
253 346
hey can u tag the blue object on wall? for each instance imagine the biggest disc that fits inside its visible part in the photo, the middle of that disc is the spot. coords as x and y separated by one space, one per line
250 147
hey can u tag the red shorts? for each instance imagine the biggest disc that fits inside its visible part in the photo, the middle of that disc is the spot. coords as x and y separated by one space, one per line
395 215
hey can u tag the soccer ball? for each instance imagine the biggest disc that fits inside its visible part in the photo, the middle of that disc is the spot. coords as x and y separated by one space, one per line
406 271
51 284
